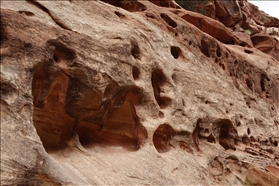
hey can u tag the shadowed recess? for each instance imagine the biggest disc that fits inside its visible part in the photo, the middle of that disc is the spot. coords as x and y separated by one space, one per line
131 6
158 82
135 50
121 125
136 73
205 47
49 88
3 36
166 138
175 51
162 137
227 133
168 20
65 106
62 52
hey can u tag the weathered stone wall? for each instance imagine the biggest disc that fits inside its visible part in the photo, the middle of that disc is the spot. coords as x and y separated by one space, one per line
132 93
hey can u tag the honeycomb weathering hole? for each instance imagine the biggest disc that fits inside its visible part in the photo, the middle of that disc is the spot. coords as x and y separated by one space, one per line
175 51
216 130
249 84
165 102
55 58
205 46
135 50
158 82
60 112
63 52
168 20
122 127
248 51
162 137
248 131
264 82
226 139
52 124
136 73
166 138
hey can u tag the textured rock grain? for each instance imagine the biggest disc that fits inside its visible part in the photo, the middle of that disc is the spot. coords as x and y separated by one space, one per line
135 93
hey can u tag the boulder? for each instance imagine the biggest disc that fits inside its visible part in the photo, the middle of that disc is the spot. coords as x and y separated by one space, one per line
228 12
266 44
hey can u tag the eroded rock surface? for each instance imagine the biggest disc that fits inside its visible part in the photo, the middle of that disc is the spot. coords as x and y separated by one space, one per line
138 93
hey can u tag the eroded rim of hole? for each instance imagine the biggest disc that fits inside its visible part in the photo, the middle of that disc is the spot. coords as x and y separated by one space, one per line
161 114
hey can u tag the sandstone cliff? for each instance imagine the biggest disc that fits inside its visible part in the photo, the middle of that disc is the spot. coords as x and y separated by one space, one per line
138 93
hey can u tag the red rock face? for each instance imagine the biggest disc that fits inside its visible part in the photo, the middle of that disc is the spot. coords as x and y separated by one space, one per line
266 44
253 13
209 26
137 93
228 12
62 93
